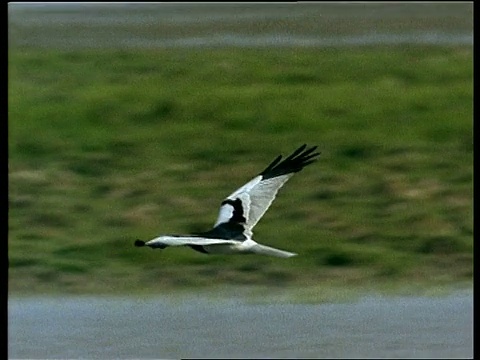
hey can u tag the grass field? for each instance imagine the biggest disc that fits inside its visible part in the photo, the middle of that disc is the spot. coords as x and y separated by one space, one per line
109 146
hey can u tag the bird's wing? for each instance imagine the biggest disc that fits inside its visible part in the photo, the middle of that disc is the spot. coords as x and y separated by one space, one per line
247 205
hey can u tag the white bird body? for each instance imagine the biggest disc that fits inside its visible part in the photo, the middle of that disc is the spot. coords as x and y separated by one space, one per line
217 246
240 212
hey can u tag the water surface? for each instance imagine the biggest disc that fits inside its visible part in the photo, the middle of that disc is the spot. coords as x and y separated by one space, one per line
160 327
163 25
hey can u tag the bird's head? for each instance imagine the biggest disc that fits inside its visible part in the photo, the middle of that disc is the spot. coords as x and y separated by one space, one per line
154 244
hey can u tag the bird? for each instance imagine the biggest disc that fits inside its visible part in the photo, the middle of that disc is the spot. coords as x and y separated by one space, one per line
241 211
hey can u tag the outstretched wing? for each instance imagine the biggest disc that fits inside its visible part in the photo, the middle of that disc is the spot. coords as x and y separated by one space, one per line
247 205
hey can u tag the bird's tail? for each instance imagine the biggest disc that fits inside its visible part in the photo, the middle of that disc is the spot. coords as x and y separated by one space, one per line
267 250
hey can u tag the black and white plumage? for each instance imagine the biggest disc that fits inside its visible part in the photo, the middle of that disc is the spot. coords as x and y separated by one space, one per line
241 210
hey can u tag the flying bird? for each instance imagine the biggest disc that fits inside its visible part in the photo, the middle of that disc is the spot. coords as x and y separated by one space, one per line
240 212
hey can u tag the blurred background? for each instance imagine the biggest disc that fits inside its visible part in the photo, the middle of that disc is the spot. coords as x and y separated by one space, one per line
134 120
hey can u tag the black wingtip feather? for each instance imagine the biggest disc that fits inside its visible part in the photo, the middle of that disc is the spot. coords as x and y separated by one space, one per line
293 163
272 164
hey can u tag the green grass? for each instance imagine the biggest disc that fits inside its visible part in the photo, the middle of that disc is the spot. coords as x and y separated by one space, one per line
109 146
